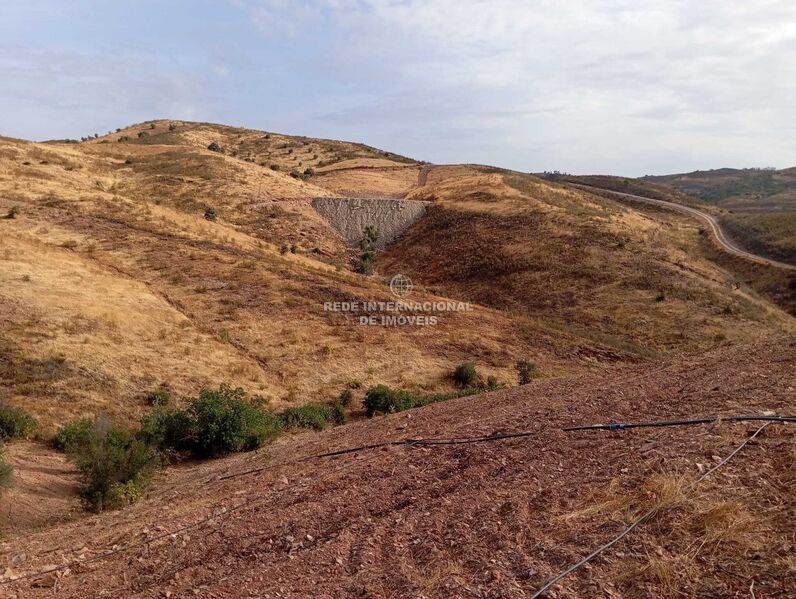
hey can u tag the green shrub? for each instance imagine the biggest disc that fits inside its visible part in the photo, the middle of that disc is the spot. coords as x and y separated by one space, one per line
383 399
115 465
346 397
210 213
167 429
143 134
526 371
215 147
315 416
366 261
465 374
15 423
13 212
425 400
223 421
339 413
275 167
73 433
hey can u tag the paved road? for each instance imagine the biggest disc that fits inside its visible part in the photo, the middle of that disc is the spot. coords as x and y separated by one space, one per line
708 219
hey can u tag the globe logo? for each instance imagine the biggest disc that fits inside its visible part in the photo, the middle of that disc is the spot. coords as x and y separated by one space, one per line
400 285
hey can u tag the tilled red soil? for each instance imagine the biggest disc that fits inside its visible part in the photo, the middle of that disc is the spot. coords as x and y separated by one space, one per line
493 519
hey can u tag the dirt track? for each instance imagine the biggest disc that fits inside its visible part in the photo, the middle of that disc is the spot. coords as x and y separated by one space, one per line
718 233
478 520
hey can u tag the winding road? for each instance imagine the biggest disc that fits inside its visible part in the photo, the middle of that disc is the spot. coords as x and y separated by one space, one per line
708 219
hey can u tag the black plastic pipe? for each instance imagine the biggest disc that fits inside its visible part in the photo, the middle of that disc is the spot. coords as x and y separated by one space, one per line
620 426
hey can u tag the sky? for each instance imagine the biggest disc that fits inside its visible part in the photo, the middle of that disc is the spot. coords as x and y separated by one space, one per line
625 87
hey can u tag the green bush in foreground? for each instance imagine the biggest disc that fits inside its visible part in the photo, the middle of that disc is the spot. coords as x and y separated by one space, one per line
115 465
465 374
215 423
73 433
315 416
167 429
15 423
382 398
385 400
224 422
526 371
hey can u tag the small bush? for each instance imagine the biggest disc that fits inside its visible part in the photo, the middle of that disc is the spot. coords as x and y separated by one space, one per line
215 147
366 261
223 421
315 416
13 212
526 371
425 400
275 167
115 465
346 397
172 127
159 397
309 172
125 138
15 423
142 134
339 413
491 383
385 400
73 434
210 213
355 384
465 374
660 297
168 429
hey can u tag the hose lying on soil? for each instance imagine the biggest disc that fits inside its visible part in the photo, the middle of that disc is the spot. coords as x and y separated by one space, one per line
614 426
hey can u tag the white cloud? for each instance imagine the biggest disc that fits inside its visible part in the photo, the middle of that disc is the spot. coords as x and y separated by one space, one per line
612 71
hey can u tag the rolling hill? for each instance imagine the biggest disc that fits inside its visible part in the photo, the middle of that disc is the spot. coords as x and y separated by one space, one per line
181 256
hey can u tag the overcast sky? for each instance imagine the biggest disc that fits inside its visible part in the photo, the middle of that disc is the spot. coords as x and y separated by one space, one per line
626 87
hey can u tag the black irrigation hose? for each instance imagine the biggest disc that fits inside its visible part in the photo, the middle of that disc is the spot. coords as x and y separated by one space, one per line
501 436
620 426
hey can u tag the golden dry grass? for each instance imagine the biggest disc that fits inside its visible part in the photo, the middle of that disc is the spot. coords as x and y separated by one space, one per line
112 266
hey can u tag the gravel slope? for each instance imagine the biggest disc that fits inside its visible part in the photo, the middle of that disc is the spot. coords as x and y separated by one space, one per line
473 520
